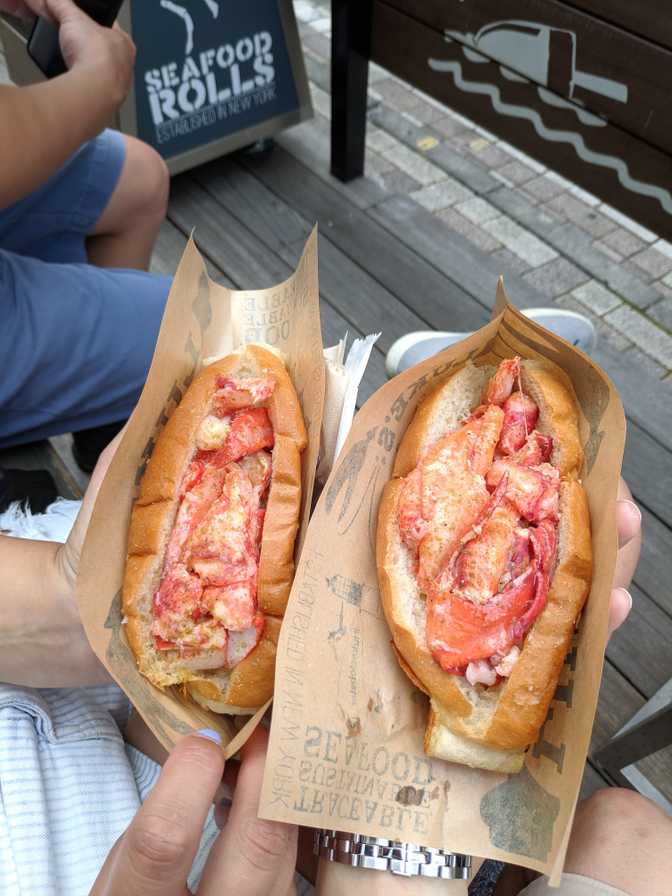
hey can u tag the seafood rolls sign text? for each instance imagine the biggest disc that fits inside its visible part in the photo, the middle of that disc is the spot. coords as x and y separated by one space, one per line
207 71
212 78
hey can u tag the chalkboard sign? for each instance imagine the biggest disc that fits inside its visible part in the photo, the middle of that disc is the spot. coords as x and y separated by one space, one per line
213 75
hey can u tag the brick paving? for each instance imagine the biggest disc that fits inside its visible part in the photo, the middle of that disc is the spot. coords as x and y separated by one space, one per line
573 248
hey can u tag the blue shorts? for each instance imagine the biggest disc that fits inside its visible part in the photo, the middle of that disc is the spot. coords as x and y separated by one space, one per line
76 341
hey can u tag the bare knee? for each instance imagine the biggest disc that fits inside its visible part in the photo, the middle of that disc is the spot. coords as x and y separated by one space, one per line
149 180
615 809
614 831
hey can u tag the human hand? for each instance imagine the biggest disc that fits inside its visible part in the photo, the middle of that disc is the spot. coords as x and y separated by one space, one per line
108 53
68 554
42 640
155 854
629 526
24 9
80 665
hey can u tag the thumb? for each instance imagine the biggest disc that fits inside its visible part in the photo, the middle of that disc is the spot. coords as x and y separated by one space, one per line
620 604
70 552
103 463
97 477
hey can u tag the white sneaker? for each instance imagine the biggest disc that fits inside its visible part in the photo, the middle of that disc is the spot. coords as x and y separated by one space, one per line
415 347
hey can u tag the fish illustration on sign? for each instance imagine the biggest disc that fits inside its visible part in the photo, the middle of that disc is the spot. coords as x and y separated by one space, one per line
535 53
181 10
544 54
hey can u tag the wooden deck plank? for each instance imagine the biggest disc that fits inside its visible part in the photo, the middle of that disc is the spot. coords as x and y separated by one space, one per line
231 247
592 781
362 300
274 222
647 468
248 263
168 250
451 253
42 456
653 572
640 649
310 144
394 265
646 399
359 297
619 701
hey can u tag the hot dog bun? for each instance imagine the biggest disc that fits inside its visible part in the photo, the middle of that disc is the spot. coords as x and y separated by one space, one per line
489 727
250 683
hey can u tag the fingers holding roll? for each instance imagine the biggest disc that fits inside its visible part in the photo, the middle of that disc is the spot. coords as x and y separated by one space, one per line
256 857
156 853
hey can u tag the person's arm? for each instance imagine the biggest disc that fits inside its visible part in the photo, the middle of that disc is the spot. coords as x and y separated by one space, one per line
42 640
334 880
43 125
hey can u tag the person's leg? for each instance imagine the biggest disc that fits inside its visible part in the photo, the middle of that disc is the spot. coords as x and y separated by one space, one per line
76 344
621 840
104 206
113 188
125 233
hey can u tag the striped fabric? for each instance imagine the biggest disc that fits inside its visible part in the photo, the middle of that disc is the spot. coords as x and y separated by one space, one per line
69 786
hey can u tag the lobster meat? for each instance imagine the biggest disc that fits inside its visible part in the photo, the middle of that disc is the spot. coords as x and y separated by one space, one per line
207 596
479 514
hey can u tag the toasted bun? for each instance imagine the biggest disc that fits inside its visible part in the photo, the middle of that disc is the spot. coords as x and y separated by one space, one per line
489 727
442 742
153 516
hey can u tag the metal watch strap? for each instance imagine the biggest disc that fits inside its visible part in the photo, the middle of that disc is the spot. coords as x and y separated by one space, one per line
407 859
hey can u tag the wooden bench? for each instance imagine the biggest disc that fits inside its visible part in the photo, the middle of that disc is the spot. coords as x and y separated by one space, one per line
584 88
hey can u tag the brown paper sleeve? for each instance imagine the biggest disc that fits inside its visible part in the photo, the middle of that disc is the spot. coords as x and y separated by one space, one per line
202 319
346 749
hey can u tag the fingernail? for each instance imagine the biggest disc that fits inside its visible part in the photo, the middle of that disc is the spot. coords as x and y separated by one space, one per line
634 507
210 734
626 594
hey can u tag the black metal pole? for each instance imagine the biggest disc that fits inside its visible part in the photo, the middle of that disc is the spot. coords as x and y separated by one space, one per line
647 737
350 51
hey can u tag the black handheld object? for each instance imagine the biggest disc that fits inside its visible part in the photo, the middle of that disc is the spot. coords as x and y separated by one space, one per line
43 45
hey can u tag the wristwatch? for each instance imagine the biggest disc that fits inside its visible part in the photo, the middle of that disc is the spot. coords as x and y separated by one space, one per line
407 859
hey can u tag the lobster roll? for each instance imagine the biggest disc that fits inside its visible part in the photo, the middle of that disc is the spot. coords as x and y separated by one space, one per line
484 555
211 538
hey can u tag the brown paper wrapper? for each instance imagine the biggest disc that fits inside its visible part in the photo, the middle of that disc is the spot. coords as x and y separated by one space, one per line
346 748
202 320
